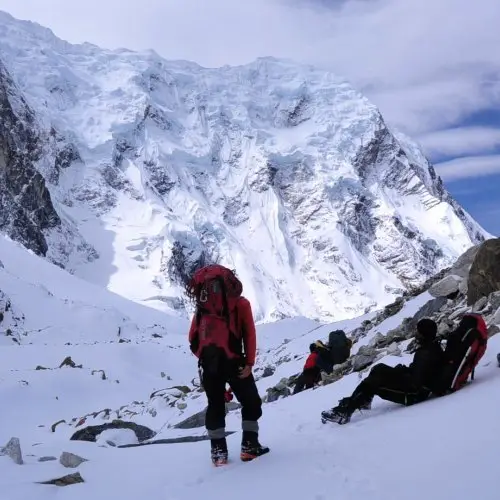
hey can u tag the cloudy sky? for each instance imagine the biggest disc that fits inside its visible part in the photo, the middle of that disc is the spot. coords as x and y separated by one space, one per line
432 66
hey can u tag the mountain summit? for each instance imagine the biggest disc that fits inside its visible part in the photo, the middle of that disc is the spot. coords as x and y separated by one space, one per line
128 170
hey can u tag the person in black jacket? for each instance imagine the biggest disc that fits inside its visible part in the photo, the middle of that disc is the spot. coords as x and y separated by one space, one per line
401 384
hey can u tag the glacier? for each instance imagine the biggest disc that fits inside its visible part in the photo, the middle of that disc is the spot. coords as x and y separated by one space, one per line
281 171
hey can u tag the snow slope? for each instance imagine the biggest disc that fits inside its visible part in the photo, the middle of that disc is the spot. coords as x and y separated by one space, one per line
282 171
387 453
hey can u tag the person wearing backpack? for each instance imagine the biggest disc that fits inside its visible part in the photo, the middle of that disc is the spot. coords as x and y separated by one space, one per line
222 336
401 384
336 352
465 346
340 346
311 373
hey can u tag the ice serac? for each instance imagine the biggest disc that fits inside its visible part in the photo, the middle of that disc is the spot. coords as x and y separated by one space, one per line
279 170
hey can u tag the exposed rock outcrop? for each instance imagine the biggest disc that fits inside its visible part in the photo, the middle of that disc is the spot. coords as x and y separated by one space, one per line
26 208
91 432
484 275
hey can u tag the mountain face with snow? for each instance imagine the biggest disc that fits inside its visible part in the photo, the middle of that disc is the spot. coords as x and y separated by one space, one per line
129 170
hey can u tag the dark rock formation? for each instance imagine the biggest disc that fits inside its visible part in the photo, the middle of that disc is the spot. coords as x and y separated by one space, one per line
91 432
484 276
26 208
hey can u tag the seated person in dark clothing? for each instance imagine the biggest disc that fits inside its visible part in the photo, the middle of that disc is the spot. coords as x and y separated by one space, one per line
401 384
311 373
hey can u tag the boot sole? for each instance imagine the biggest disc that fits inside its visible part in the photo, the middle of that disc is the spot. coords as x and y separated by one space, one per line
248 457
332 421
219 463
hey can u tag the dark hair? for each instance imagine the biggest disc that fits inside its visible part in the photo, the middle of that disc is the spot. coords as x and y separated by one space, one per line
312 347
427 328
192 290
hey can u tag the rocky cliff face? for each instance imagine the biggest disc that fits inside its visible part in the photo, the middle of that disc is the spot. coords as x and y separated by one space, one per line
281 171
26 208
31 160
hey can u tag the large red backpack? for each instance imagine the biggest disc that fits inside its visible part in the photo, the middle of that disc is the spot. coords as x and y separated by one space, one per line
216 291
465 346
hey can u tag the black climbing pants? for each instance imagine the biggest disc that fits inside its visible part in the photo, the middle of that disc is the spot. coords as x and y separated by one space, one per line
307 379
245 391
389 383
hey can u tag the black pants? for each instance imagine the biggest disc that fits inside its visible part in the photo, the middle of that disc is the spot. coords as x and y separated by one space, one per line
245 391
307 379
389 383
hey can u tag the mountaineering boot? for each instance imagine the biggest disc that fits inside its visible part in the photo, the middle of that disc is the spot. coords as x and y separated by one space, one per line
250 446
367 405
341 414
219 451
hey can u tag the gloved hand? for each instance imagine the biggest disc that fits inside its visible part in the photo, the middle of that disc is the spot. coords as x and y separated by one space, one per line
228 396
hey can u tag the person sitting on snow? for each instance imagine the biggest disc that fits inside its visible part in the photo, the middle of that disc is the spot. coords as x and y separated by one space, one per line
401 384
311 374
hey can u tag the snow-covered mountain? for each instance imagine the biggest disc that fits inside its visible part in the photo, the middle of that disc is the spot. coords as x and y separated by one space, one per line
128 170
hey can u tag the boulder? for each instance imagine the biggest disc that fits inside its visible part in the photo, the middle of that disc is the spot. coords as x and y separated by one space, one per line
458 312
394 350
362 361
232 405
13 450
494 300
378 340
192 422
47 459
69 362
66 480
116 437
70 460
493 330
198 419
393 308
281 389
268 371
428 309
463 264
444 327
402 332
91 432
445 287
495 319
365 357
484 275
480 304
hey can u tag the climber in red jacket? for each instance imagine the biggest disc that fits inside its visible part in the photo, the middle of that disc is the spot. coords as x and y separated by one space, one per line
311 373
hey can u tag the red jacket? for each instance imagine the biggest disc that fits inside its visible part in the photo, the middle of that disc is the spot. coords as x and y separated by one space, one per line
311 361
245 325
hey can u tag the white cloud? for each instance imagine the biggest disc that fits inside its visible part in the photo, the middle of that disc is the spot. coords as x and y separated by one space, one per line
425 63
460 141
469 167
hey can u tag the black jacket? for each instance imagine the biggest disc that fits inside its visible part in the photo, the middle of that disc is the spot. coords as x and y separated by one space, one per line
426 365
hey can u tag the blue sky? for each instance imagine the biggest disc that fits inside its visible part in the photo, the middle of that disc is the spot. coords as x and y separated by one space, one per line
479 194
432 67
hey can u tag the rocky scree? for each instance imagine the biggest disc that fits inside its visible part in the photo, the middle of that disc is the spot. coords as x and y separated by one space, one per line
479 267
